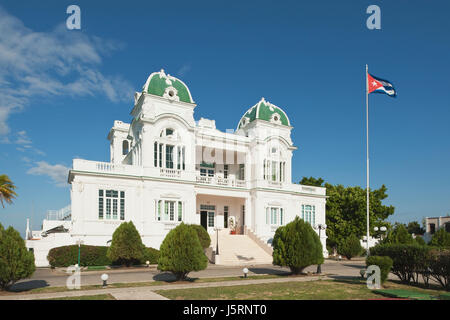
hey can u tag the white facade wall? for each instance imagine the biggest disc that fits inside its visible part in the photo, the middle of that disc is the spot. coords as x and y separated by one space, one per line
145 184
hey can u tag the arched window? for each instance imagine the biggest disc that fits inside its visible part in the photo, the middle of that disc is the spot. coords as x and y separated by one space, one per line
169 152
125 147
167 132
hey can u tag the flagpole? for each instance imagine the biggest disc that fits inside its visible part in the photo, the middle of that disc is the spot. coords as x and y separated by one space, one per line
367 143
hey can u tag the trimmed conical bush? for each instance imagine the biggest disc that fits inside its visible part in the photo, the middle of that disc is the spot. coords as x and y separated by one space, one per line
181 252
297 246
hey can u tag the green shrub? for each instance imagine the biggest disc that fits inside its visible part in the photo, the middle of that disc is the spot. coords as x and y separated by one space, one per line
68 256
16 262
151 255
399 235
181 252
126 245
383 262
409 260
90 256
297 246
441 239
440 267
419 240
351 247
203 235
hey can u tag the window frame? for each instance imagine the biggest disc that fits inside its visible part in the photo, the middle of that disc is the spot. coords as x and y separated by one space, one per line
275 215
309 215
111 204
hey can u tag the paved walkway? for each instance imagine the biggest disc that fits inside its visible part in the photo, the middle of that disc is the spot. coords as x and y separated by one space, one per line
147 293
45 277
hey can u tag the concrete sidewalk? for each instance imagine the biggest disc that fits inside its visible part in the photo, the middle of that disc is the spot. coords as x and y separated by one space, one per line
147 293
45 277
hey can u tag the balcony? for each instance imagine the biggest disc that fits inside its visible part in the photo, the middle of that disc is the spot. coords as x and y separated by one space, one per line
219 181
129 170
170 173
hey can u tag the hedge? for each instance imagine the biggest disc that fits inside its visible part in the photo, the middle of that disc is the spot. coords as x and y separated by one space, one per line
439 267
383 262
151 255
412 260
350 247
90 256
409 260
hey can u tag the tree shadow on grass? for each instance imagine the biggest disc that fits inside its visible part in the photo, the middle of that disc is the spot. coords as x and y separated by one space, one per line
270 271
356 266
28 285
170 278
348 279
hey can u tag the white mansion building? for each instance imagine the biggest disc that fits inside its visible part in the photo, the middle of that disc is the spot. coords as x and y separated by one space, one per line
167 168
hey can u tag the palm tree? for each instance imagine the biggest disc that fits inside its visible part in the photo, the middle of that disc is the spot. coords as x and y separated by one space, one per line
7 187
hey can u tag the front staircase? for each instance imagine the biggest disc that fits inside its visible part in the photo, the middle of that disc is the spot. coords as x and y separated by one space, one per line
236 249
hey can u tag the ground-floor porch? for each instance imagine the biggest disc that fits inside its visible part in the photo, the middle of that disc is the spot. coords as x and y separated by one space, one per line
221 212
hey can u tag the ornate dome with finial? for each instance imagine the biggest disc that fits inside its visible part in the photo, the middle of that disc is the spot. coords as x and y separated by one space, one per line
166 86
266 111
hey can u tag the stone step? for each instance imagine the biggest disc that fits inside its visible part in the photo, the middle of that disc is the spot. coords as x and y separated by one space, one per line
239 250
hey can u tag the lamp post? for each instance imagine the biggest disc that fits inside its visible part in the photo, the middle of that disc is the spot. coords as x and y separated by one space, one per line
79 242
381 229
217 241
320 227
104 278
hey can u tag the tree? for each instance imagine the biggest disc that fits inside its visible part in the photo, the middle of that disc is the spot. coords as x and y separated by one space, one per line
420 241
398 235
346 212
383 262
126 246
202 234
311 181
7 187
350 247
16 262
297 246
414 227
441 238
181 252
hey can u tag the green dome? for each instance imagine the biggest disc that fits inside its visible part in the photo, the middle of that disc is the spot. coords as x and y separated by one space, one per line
266 111
167 86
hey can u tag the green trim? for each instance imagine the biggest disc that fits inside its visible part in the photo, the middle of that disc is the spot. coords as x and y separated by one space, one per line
266 114
158 85
208 165
263 111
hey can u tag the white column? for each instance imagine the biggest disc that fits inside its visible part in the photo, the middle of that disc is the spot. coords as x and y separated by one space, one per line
248 212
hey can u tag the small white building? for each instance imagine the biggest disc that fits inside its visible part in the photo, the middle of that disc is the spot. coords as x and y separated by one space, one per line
433 224
167 168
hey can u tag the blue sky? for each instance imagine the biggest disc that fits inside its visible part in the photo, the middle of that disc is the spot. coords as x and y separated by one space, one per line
61 90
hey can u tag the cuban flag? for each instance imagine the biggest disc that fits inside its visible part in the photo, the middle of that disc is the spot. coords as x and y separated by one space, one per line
378 85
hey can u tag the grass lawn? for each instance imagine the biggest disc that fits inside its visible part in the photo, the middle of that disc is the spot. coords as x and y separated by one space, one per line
94 297
308 290
139 284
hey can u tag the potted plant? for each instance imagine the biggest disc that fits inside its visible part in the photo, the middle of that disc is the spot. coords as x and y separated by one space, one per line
233 224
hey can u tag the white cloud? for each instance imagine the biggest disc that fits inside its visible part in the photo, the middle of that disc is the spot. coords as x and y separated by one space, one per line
58 173
24 143
183 70
56 63
22 138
